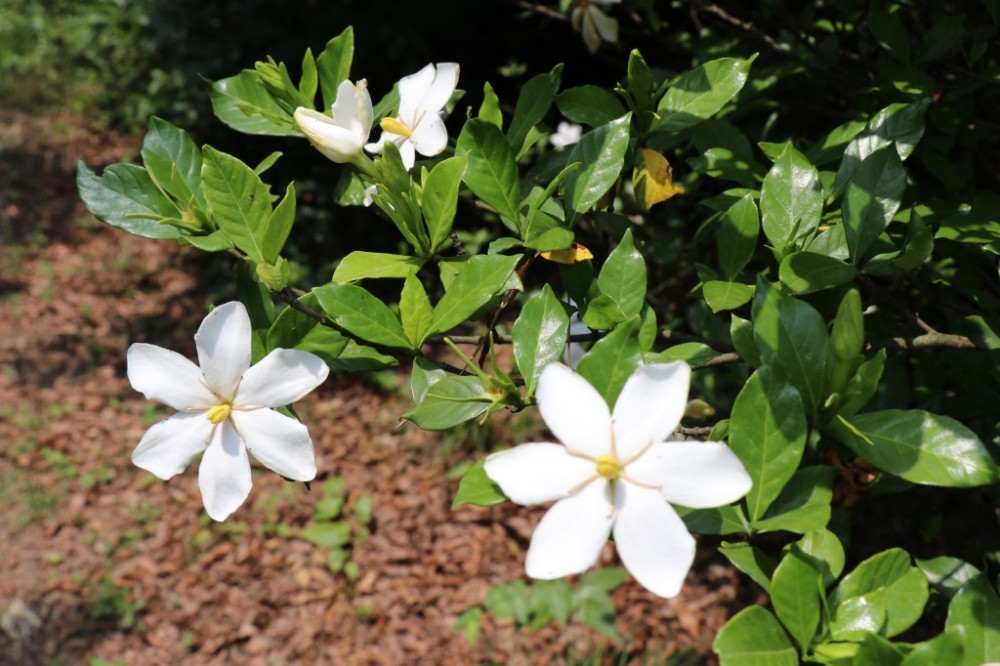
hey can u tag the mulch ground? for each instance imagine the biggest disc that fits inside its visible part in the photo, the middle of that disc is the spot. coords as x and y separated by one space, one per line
120 568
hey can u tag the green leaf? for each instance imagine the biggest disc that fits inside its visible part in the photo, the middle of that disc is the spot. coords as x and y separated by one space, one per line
612 360
327 535
623 277
491 173
173 160
920 447
293 330
826 548
243 103
693 353
976 609
946 574
877 651
360 265
947 647
239 200
362 314
792 335
791 199
943 38
737 236
334 65
440 198
415 310
489 110
602 153
862 385
217 241
450 402
423 375
889 31
768 434
309 82
278 226
754 637
721 295
477 488
124 196
803 504
751 561
532 104
796 594
701 92
721 520
806 272
482 277
539 336
255 296
884 594
873 196
741 332
589 105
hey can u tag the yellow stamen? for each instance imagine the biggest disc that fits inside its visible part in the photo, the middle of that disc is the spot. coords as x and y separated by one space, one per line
395 127
609 467
219 413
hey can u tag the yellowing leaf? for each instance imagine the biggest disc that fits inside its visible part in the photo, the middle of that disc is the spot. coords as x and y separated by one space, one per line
653 179
571 255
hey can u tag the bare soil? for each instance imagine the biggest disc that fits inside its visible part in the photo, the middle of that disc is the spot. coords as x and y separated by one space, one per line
120 568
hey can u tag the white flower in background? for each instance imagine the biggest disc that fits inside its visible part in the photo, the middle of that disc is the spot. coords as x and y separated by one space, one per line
615 473
417 127
341 137
223 409
566 134
370 192
593 24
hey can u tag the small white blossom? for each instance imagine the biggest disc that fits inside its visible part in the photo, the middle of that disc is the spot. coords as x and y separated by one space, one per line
370 192
224 409
342 136
418 127
593 24
615 473
566 134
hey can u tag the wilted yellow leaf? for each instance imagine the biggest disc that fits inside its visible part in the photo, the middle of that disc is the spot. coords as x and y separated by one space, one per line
653 179
571 255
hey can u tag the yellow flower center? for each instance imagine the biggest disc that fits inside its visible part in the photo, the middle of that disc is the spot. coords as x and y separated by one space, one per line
396 127
219 413
609 467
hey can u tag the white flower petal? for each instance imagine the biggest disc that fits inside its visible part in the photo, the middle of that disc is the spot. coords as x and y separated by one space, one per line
606 26
430 137
589 33
337 143
281 378
167 377
406 153
376 147
573 410
440 91
652 540
650 406
412 90
570 536
345 106
537 472
363 114
171 444
698 475
280 443
224 474
223 342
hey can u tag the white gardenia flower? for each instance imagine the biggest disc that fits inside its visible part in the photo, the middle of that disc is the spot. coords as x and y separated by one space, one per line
417 127
593 24
566 134
615 473
342 136
224 409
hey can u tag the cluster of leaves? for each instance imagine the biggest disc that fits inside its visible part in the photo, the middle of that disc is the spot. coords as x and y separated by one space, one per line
816 269
336 531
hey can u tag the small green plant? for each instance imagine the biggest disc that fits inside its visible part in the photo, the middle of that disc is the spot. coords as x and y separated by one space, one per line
114 604
339 531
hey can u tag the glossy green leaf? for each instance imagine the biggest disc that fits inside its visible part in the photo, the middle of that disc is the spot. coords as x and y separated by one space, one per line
768 434
360 265
791 199
720 520
602 153
243 103
533 103
884 594
825 547
293 330
539 336
477 488
920 447
877 651
945 648
693 353
450 402
415 310
741 333
491 173
217 241
754 637
737 236
124 196
702 92
806 272
173 160
862 385
751 561
278 226
489 110
440 198
239 200
947 574
482 277
589 105
721 295
796 594
612 360
889 31
803 504
792 335
872 198
976 609
623 277
334 65
362 314
423 375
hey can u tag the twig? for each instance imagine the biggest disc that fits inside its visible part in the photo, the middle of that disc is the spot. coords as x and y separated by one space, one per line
693 432
928 340
745 26
541 9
